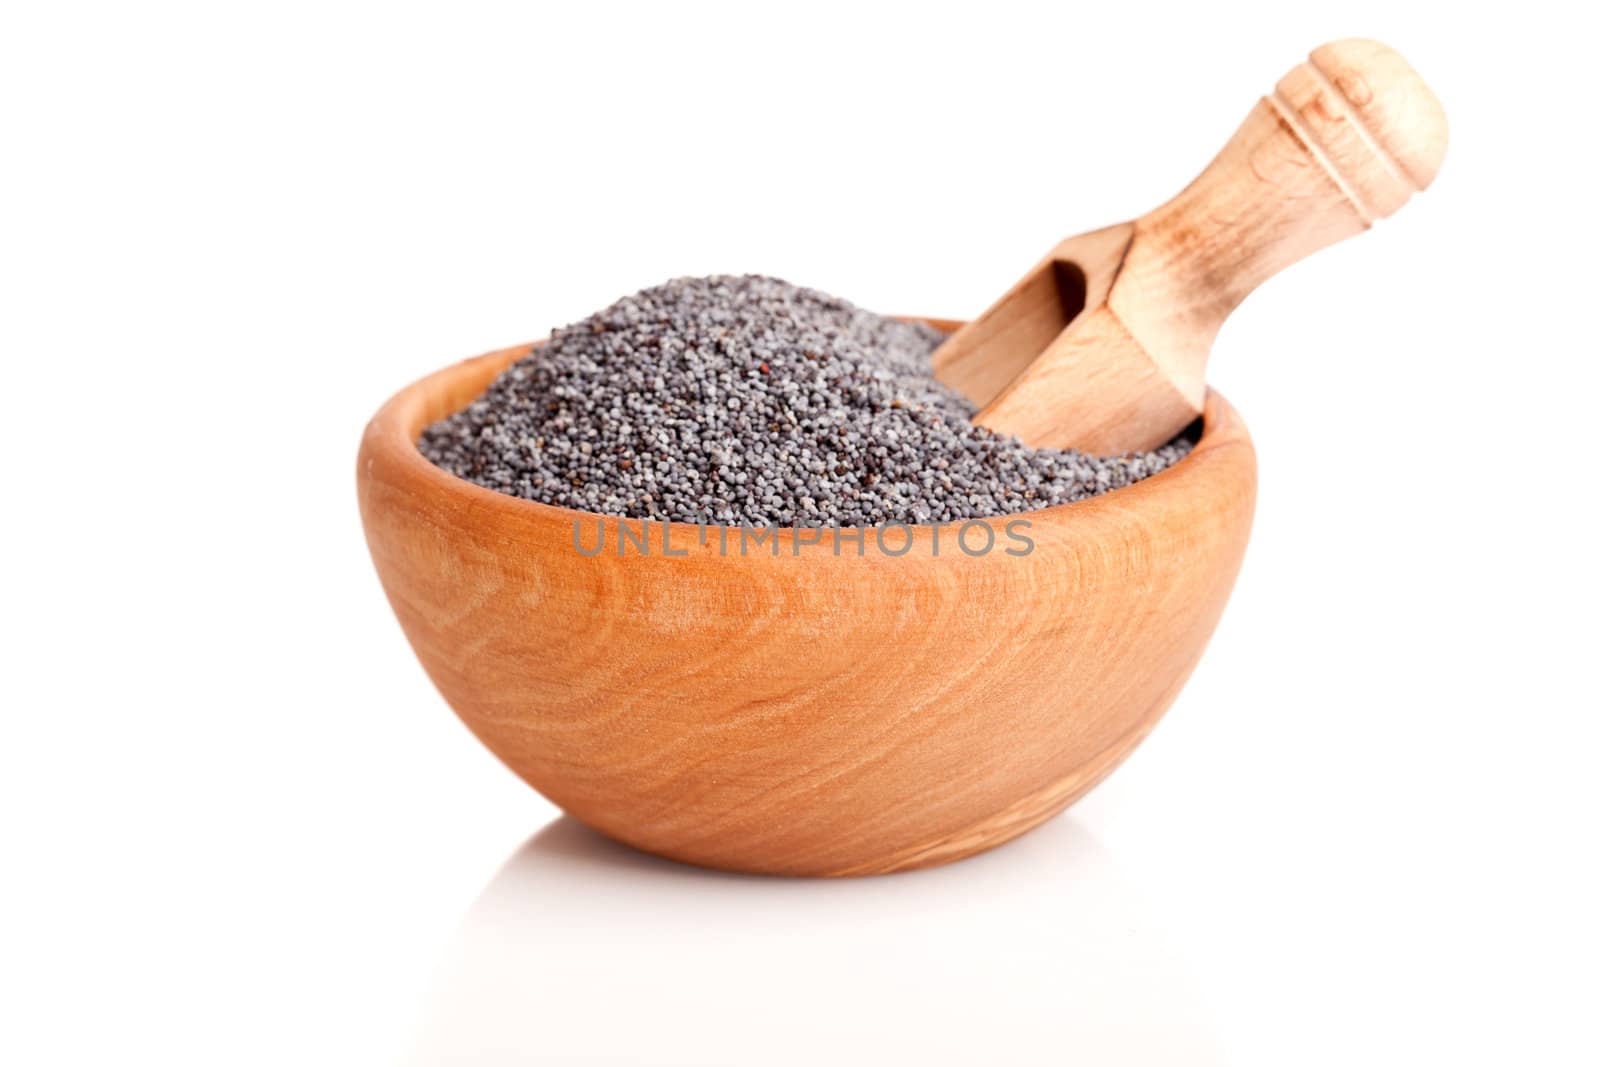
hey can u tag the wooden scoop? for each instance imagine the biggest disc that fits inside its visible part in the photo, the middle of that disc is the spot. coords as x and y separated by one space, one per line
1103 345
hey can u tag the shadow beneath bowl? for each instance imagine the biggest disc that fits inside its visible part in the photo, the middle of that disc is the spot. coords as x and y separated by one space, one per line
584 950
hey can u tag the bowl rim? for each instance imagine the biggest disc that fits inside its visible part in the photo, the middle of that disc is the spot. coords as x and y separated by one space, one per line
396 428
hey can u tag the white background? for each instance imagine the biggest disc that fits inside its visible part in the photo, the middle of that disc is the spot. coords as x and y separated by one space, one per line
240 826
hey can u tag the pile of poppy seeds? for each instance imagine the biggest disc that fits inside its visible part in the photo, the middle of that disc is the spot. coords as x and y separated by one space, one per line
750 401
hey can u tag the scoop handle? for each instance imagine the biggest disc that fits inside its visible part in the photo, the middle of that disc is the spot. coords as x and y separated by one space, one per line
1344 139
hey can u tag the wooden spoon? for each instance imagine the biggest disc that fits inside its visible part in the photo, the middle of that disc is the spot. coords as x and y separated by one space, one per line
1102 346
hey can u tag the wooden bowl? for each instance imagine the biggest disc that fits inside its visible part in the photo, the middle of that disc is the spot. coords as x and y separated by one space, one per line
811 714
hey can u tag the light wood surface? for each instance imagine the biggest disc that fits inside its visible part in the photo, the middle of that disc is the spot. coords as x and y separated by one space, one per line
1117 361
810 715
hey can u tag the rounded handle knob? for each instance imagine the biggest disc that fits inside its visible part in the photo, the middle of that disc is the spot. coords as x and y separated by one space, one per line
1365 115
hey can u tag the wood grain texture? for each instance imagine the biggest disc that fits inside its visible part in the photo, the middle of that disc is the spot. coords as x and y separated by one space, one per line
811 714
1345 138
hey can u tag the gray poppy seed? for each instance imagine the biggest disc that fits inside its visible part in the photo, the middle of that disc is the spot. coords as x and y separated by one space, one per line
720 395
